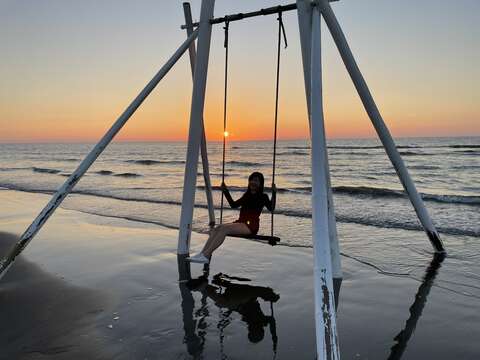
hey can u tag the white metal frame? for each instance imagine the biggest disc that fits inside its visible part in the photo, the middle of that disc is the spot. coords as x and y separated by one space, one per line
379 124
325 317
196 122
203 145
304 10
327 267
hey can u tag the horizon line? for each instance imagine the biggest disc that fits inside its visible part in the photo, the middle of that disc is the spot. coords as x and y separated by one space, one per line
85 141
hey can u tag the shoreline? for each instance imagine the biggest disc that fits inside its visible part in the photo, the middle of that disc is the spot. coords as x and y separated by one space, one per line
83 271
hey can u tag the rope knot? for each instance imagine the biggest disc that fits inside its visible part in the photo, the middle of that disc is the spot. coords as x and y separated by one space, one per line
225 42
282 28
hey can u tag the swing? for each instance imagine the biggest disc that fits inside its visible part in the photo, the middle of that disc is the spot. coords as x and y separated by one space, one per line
271 239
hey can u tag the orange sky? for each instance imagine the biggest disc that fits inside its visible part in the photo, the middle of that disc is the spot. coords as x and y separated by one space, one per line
68 78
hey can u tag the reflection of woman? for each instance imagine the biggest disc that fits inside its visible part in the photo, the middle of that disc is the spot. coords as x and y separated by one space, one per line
243 299
251 203
252 314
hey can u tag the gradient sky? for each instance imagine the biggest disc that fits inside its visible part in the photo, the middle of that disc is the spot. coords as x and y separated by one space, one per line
69 68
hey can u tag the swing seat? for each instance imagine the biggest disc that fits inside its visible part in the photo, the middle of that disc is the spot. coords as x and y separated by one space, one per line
272 240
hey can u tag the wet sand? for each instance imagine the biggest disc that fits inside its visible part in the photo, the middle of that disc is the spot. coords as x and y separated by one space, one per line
101 288
42 315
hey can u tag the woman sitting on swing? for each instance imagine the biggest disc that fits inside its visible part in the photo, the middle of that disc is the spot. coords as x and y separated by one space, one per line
252 203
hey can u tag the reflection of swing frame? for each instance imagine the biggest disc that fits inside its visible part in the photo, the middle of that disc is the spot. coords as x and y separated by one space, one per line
416 309
326 251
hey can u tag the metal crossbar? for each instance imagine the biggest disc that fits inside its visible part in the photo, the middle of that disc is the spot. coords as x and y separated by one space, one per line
262 12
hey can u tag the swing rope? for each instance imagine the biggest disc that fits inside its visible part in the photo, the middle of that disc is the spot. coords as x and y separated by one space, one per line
281 33
281 30
225 45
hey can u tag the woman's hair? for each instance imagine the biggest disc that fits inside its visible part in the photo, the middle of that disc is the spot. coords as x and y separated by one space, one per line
260 177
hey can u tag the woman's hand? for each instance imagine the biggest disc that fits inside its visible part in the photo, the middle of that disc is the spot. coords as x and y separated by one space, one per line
223 187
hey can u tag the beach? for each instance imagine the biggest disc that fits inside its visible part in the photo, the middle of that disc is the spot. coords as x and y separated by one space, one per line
125 128
106 288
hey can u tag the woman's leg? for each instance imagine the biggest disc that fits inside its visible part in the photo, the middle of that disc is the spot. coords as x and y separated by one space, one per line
211 238
220 232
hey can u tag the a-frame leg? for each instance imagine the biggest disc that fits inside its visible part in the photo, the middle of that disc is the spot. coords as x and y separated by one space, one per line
304 10
379 124
325 317
203 144
195 130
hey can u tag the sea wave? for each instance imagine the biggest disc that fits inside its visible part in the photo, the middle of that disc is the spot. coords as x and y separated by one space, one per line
383 223
14 168
294 152
466 167
155 162
372 192
244 163
424 167
383 192
45 170
463 146
357 147
214 174
352 153
297 147
354 147
469 152
426 146
104 172
413 153
244 188
453 199
128 175
218 188
376 222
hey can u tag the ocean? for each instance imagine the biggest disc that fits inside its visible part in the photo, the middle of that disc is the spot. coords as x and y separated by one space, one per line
376 223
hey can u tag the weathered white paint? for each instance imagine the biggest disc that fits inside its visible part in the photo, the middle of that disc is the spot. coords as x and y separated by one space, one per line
203 145
325 316
195 130
304 8
65 189
379 124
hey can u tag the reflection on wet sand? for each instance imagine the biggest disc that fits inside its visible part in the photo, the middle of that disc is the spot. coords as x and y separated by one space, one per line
416 309
195 342
43 316
230 297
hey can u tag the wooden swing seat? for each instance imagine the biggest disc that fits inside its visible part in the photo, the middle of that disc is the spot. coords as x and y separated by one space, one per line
272 240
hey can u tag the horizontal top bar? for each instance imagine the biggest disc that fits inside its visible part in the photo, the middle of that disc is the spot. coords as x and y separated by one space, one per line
267 11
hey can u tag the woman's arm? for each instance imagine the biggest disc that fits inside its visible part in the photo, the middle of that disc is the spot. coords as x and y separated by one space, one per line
233 204
270 204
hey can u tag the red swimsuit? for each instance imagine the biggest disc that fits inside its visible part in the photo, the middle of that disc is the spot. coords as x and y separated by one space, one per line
251 208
